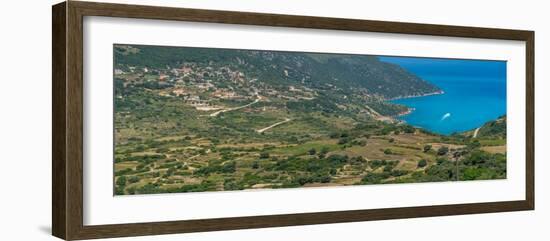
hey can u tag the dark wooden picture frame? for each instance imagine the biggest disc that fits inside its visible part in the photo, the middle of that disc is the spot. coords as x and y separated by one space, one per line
67 100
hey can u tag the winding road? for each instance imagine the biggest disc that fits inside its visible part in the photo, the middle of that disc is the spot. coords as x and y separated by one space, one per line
271 126
236 108
476 131
258 98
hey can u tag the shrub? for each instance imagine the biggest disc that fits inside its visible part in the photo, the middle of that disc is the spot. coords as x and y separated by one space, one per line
388 151
375 178
121 181
119 190
361 142
343 140
133 179
358 160
338 159
422 163
229 167
163 150
231 184
255 165
312 151
324 179
131 190
427 148
474 144
408 129
264 155
376 163
444 171
398 173
442 150
323 153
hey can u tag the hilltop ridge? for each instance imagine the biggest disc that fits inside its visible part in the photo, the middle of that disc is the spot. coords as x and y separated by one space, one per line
350 73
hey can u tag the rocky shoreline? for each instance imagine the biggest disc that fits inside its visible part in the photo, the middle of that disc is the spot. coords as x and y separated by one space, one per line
439 92
408 111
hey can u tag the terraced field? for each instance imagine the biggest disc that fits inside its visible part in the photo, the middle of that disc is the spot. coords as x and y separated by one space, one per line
195 120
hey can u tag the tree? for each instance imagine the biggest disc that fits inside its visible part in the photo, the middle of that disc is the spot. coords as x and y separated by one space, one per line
323 152
255 165
422 163
343 140
264 155
362 142
133 179
229 167
427 148
312 151
293 139
408 129
121 181
387 151
324 179
474 144
119 190
442 150
358 160
388 168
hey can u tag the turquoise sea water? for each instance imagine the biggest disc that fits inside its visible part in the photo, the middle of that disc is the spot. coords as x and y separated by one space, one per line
475 93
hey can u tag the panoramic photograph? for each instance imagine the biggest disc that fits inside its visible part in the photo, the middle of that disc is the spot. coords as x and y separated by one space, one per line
190 119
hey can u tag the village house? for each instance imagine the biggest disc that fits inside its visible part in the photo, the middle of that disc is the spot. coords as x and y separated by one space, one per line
163 77
180 92
175 72
204 86
185 70
192 98
118 71
225 94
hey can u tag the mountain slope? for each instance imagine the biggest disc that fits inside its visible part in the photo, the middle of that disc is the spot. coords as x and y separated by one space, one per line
494 129
281 69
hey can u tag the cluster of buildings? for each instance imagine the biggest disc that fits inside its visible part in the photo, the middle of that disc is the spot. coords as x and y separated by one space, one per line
193 81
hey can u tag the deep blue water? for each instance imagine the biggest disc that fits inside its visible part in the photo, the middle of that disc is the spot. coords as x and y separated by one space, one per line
475 93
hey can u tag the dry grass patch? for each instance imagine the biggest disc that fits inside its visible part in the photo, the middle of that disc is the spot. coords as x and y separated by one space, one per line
494 149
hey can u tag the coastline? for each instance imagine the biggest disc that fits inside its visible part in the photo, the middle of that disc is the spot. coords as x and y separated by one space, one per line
439 92
403 113
411 109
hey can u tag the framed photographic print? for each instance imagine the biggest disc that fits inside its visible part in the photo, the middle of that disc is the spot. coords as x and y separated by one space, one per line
171 120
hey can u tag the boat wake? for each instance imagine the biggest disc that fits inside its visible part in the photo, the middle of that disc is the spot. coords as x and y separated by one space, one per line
445 116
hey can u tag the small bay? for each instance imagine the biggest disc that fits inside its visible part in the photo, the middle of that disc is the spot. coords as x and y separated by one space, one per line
474 93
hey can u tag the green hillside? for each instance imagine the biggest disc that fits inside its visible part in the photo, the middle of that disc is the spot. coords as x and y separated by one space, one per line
280 69
494 129
194 120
